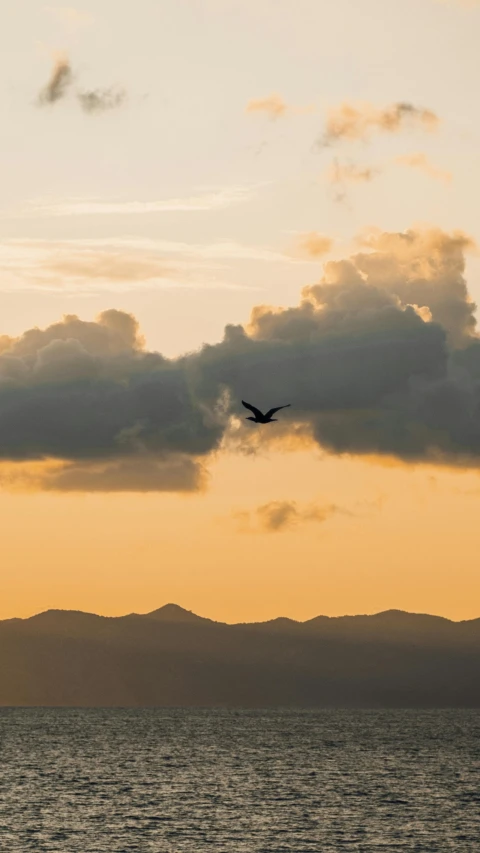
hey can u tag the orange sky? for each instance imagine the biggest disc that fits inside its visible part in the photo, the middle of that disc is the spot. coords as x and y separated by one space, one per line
411 542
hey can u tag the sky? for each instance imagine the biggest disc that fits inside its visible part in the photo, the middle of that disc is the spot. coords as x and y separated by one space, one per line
204 201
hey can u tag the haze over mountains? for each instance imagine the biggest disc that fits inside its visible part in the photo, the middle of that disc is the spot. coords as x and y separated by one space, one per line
172 657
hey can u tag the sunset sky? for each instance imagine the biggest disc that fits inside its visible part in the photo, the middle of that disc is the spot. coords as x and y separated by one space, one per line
294 183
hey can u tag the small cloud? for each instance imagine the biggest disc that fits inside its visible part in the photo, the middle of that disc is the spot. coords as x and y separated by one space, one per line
314 245
274 106
60 81
101 100
278 516
356 122
90 100
420 161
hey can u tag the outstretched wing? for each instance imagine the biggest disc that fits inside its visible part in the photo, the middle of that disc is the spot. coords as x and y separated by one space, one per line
255 411
272 411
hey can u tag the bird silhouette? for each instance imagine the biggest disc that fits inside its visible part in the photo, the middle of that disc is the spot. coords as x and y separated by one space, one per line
260 418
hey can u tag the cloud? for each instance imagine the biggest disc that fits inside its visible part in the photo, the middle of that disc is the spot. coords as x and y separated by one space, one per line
314 245
121 264
278 516
340 175
274 106
351 122
381 357
420 161
147 473
424 268
60 81
72 266
91 101
101 100
217 199
88 393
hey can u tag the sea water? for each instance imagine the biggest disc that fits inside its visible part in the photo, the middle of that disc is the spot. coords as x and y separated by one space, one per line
178 780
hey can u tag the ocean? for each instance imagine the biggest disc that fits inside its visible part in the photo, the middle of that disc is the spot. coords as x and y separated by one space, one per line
187 781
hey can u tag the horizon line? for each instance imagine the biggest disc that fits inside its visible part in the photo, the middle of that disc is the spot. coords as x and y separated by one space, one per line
191 613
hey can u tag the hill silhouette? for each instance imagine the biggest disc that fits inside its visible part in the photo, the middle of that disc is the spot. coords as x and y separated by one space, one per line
174 613
172 657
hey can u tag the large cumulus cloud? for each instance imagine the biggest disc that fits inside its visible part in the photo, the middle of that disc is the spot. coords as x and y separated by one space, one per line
86 392
380 356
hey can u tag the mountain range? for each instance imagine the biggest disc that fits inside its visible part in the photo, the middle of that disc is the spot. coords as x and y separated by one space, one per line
172 657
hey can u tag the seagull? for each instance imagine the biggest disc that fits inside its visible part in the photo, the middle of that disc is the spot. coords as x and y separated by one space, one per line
261 418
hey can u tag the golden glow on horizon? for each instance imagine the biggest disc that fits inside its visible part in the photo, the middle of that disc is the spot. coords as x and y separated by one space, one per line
408 539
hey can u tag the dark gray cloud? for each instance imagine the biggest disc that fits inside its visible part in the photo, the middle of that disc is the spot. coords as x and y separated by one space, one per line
101 100
143 473
380 357
59 83
89 391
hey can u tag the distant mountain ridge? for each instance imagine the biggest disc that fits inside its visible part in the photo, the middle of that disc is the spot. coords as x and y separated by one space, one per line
175 613
173 657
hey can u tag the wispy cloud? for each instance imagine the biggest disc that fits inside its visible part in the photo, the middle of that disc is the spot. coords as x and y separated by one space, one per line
210 200
85 267
278 516
420 161
59 83
340 175
122 264
353 122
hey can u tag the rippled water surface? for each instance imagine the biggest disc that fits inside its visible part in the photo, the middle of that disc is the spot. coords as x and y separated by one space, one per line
177 780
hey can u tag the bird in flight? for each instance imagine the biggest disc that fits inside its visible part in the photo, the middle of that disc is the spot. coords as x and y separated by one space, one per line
260 418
